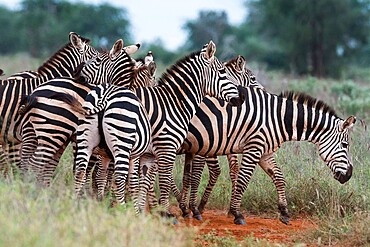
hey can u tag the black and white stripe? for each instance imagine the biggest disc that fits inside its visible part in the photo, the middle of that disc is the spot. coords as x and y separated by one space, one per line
62 63
54 122
171 105
116 123
258 128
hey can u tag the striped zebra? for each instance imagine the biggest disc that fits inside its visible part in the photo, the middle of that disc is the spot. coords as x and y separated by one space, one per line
54 122
62 63
117 125
236 71
259 127
171 105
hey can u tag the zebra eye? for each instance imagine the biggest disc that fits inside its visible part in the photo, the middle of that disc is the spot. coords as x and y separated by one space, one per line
345 145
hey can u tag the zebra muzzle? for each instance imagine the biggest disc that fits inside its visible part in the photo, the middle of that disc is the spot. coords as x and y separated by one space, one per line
237 101
343 177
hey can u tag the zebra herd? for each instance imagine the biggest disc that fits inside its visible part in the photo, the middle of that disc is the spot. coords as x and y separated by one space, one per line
126 127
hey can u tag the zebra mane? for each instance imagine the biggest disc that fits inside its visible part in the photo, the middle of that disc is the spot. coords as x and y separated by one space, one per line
308 100
163 79
56 54
231 61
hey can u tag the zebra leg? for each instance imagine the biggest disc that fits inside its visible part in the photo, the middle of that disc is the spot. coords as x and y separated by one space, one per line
50 167
134 182
166 161
121 151
186 179
109 183
247 168
14 155
101 179
233 171
4 167
29 145
88 137
214 171
268 164
148 171
152 198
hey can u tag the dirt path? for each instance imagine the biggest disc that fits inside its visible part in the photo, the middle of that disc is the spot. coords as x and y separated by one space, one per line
270 229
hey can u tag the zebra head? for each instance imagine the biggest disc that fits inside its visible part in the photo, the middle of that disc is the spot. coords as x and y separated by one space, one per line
82 47
238 73
216 83
334 149
115 66
144 75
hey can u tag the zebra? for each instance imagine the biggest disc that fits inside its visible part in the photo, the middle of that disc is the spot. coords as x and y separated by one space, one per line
259 127
116 123
62 63
236 71
55 123
171 104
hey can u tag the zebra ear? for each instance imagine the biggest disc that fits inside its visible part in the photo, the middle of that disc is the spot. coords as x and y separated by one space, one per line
76 41
348 123
116 49
211 50
152 67
131 49
148 58
240 63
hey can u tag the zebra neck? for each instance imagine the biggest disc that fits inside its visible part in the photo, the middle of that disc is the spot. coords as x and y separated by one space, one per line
62 63
304 123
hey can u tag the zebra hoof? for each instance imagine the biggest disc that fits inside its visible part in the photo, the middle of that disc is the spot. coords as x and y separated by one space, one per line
175 221
198 217
186 215
284 219
239 221
229 214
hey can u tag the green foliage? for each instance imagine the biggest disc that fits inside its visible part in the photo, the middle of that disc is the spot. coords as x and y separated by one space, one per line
210 25
352 230
47 23
33 216
311 36
352 98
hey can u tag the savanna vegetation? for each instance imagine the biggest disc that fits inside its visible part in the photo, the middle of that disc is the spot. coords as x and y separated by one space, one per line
319 47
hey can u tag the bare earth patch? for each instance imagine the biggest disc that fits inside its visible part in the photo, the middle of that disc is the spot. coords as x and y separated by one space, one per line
217 222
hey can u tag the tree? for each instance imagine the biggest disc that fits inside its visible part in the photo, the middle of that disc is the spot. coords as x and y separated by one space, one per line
8 38
210 25
47 23
314 36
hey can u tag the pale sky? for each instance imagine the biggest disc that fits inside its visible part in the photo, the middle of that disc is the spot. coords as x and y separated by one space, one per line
164 19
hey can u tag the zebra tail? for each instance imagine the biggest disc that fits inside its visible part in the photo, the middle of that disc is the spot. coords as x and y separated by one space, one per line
1 72
26 103
94 110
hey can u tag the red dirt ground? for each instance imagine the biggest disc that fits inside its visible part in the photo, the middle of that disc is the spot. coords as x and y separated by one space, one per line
217 222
